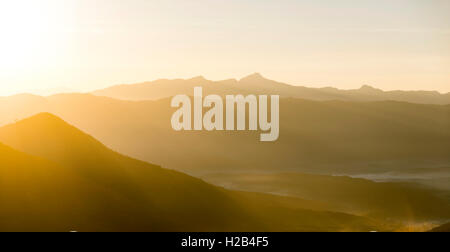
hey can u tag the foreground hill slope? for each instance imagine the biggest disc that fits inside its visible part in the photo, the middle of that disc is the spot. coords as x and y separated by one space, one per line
36 194
110 192
333 136
257 84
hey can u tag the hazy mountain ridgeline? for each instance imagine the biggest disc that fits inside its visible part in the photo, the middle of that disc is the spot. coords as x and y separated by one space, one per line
333 136
399 201
87 187
257 84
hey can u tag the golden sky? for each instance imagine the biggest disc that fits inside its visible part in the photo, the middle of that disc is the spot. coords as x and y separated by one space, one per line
84 45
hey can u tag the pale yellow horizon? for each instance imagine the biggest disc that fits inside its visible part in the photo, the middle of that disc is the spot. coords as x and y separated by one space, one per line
79 45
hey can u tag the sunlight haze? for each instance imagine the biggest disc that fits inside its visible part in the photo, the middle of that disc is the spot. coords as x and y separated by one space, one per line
85 45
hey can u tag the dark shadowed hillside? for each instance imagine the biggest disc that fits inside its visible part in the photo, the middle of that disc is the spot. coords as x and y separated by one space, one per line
98 189
257 84
39 195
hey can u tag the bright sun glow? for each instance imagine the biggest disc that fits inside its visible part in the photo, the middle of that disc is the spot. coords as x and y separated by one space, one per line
87 45
26 30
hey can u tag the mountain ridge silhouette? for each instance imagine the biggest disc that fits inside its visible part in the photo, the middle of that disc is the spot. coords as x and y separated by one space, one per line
258 84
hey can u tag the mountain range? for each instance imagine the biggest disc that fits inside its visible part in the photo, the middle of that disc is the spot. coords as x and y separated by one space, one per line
329 136
54 177
52 163
256 84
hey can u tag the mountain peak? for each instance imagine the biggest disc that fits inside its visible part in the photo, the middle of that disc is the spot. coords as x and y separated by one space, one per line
44 127
49 136
43 117
368 88
255 76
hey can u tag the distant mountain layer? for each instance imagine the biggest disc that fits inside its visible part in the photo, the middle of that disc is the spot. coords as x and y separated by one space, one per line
78 184
257 84
333 136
